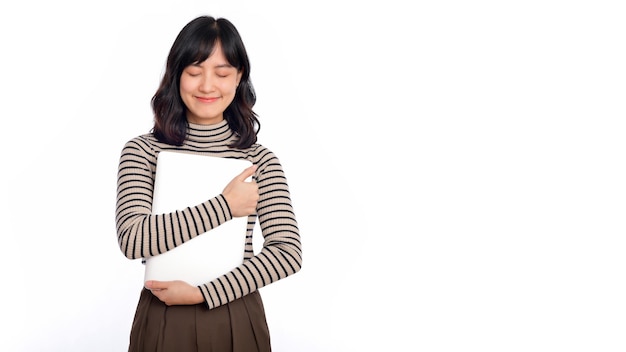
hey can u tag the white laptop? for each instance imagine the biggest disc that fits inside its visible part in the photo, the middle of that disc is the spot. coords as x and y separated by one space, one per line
186 180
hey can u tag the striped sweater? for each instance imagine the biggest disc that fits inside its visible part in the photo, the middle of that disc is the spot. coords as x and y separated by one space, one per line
142 234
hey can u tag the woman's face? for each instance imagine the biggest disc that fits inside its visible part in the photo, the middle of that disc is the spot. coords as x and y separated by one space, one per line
208 87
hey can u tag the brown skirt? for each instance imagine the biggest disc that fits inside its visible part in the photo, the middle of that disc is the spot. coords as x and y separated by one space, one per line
238 326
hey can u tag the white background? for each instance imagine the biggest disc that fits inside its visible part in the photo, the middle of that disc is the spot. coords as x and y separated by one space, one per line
457 169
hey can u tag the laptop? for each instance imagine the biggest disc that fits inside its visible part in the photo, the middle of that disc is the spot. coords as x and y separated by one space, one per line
185 180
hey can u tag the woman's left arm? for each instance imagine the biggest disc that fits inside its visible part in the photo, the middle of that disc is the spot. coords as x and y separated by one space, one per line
281 255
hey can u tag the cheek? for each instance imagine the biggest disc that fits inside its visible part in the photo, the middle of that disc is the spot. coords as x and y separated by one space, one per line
229 87
185 86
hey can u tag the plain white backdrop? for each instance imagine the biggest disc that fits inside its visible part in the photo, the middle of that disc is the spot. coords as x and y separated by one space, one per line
457 169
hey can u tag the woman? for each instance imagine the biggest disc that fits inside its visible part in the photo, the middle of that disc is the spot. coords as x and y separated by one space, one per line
204 105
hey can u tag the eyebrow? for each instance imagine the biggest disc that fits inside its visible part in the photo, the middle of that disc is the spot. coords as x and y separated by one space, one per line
198 64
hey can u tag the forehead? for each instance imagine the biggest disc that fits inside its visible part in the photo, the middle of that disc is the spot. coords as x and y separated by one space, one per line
216 59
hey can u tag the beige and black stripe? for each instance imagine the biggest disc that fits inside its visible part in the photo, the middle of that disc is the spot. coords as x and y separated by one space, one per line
142 234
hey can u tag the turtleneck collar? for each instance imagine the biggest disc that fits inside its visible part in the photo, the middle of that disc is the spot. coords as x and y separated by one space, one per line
219 132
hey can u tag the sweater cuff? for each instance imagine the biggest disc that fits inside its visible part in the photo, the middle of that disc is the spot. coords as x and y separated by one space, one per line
227 213
208 292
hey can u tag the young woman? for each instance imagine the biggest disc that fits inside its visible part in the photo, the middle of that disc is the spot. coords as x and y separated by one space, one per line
204 105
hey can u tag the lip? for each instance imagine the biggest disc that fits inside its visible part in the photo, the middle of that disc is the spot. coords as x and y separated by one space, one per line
207 99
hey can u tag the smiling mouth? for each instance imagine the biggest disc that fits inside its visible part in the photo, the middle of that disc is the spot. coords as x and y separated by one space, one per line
207 99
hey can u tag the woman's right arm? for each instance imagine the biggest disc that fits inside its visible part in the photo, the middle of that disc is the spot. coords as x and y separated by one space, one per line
142 234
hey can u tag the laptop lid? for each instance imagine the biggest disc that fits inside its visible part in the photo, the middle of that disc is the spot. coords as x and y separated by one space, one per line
185 180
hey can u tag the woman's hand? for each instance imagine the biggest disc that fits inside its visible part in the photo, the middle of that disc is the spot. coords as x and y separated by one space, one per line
175 292
240 195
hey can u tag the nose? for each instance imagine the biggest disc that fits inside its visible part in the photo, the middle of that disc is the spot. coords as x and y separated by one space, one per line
207 83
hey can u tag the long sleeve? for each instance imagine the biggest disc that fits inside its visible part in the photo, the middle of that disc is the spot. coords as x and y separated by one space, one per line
142 234
281 254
